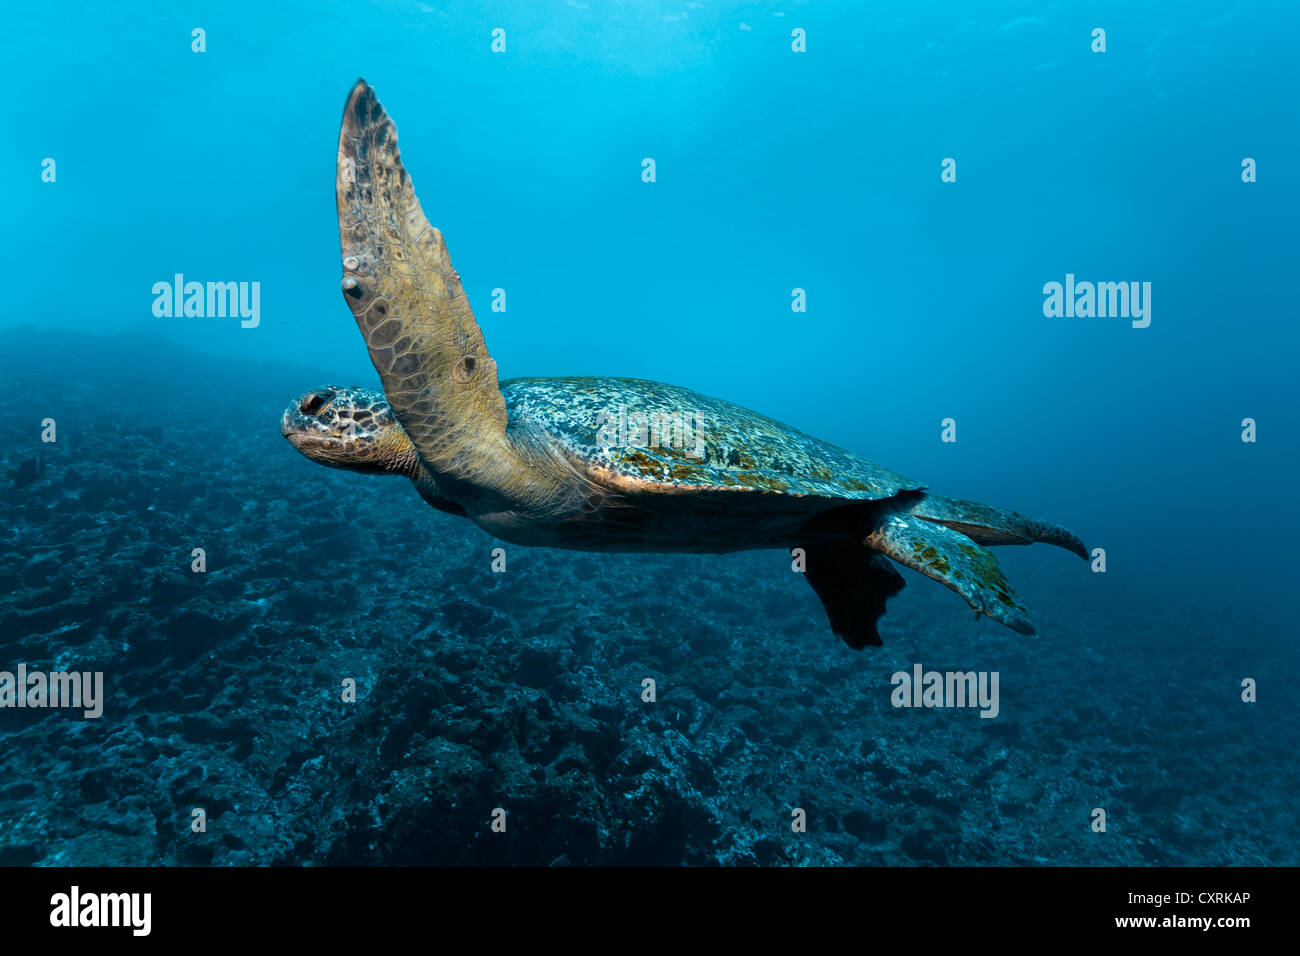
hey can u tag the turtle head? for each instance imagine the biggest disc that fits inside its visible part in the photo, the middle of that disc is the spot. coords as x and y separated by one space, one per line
352 428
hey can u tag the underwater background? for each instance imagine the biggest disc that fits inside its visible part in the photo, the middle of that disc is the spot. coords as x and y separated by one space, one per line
775 170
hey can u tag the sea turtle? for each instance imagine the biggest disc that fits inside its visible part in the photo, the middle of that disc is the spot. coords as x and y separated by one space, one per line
611 464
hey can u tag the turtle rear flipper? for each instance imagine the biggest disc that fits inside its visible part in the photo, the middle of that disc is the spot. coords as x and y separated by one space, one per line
952 559
985 524
853 583
408 301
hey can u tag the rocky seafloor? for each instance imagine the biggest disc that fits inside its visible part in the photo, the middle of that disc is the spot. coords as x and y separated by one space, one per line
522 690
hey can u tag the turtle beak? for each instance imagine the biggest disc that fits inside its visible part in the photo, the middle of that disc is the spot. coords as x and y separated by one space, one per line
290 427
299 417
296 427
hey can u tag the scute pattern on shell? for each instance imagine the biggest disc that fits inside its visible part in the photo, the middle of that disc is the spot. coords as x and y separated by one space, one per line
740 449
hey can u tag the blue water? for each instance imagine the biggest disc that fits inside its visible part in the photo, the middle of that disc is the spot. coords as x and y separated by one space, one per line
775 170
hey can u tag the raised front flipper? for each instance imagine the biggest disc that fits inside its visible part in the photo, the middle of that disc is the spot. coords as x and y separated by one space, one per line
952 559
408 302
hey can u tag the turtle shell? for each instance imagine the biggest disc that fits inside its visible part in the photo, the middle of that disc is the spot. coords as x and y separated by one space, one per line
641 436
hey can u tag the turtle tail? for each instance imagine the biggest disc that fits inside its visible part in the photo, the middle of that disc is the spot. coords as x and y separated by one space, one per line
984 524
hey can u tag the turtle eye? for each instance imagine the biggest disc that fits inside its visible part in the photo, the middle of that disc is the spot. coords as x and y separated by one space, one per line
313 403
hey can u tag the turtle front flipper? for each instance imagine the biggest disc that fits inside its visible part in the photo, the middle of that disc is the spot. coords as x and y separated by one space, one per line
408 302
952 559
